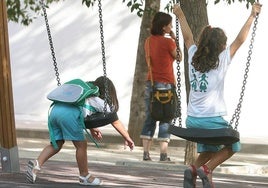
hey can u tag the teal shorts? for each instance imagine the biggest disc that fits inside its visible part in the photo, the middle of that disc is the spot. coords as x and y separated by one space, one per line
66 123
210 123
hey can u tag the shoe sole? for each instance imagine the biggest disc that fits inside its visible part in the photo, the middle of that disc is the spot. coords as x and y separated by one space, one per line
188 181
29 174
204 178
94 183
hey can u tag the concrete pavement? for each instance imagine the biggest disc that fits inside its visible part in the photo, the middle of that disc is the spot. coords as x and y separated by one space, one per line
123 168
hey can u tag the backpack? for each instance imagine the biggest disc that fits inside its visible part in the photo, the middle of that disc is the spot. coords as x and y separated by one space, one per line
72 92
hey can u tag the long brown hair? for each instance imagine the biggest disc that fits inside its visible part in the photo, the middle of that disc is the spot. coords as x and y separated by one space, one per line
212 42
112 100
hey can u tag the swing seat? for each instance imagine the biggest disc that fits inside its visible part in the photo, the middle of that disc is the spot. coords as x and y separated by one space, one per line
223 136
100 119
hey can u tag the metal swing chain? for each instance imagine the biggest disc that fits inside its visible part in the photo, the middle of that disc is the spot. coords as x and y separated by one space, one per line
178 88
51 44
106 95
237 112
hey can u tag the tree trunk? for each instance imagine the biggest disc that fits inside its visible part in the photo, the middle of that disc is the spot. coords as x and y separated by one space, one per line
8 143
196 14
137 107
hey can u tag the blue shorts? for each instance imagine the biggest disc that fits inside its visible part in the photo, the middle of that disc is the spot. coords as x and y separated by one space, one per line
66 123
210 123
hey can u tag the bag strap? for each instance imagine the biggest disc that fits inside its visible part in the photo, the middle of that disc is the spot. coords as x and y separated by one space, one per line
148 58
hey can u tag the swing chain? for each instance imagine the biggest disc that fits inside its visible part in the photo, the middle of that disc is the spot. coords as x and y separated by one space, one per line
237 112
51 43
178 88
106 95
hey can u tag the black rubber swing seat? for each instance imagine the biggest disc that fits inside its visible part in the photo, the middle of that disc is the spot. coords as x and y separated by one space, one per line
223 136
100 119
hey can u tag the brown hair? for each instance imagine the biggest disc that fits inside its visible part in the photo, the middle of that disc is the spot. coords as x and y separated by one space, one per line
160 20
212 42
111 97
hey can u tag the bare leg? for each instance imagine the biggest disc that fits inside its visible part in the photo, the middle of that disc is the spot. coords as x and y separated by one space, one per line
203 158
163 147
34 165
48 152
163 151
214 159
220 157
146 144
81 157
146 149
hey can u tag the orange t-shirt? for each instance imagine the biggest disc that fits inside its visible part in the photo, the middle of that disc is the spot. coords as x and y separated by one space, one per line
161 59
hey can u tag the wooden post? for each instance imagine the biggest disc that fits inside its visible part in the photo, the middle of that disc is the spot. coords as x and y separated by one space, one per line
8 142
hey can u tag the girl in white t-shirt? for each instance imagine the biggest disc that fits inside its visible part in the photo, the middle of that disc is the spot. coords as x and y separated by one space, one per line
208 62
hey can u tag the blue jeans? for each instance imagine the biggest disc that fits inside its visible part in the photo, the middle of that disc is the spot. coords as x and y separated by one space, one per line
149 125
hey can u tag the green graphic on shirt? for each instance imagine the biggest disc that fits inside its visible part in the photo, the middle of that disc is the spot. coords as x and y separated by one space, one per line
203 83
199 84
194 82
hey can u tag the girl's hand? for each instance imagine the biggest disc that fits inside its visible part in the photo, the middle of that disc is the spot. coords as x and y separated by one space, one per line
172 35
129 142
96 133
176 9
256 9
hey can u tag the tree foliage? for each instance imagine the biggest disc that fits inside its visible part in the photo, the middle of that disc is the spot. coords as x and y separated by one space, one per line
25 11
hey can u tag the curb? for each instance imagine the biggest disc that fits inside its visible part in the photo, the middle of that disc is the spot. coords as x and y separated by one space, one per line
249 148
248 170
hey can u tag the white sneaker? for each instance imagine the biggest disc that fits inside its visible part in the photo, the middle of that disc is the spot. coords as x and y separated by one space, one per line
89 180
32 168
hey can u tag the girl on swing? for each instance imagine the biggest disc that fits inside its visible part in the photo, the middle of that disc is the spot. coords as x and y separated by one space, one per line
208 61
66 125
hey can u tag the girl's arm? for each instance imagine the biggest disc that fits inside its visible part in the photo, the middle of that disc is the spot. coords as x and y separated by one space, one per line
174 53
242 35
118 125
185 29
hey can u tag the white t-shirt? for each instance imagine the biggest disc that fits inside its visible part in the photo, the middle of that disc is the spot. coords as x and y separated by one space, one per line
93 105
207 89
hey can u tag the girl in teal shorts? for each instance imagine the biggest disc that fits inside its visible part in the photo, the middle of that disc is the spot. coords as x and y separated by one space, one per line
208 61
210 123
66 123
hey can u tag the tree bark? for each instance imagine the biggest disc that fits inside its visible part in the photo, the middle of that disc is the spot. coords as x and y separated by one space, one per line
8 142
137 106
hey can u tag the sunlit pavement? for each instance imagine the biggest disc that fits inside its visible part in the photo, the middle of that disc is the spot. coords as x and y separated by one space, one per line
118 167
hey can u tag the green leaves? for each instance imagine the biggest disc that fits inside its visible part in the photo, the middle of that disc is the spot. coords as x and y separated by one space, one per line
135 5
88 3
25 11
232 1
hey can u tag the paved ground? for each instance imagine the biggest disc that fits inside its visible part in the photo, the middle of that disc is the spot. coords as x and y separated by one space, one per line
61 174
123 168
